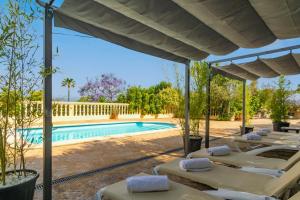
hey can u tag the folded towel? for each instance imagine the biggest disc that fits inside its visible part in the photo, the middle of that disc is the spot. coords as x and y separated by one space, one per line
265 171
219 150
195 164
236 195
261 132
268 130
252 136
147 183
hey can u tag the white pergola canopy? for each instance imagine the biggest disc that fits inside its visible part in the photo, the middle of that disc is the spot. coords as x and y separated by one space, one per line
288 64
182 30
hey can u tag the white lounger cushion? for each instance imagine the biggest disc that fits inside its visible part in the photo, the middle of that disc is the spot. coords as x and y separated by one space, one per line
235 195
271 172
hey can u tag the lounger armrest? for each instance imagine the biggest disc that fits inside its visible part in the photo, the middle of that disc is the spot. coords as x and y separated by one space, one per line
236 195
270 148
99 194
265 171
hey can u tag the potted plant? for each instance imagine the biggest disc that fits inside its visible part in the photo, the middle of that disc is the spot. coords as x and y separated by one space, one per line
248 127
19 80
195 139
199 72
280 104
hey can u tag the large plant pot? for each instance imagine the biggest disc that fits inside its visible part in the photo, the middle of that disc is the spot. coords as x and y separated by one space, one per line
248 129
278 125
21 191
195 143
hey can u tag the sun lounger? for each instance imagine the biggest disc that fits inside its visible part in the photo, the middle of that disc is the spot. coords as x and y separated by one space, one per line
242 159
287 129
282 135
118 191
234 179
177 191
295 196
235 195
270 140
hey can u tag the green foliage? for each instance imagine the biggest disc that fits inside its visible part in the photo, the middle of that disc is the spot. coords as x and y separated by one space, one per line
19 82
199 76
169 98
121 98
279 102
36 95
226 98
84 99
255 101
225 116
153 100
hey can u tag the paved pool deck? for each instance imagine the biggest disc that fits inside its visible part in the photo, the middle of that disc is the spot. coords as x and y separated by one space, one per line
86 156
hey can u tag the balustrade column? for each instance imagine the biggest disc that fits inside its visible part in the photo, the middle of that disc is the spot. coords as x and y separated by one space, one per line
71 109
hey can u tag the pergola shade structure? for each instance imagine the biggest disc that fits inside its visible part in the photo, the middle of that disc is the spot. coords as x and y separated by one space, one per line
181 30
288 64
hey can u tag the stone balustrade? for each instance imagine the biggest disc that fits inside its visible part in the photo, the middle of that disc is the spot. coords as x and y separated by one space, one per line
70 111
89 109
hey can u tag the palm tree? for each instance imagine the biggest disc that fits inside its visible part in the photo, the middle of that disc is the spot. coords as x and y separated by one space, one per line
69 83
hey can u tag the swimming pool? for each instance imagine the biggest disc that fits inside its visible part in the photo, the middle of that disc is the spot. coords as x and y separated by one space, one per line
79 132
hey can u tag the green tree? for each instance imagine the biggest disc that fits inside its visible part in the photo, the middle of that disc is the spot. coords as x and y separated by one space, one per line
199 72
121 98
148 100
226 97
254 99
36 95
169 99
69 83
85 99
280 103
18 79
134 98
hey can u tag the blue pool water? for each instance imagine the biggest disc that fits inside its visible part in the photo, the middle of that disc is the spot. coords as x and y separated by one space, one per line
63 133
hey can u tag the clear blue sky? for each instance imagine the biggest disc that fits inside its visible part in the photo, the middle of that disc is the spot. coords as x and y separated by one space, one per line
81 58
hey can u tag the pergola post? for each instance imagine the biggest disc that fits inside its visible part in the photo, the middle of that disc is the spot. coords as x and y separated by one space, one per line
187 109
207 117
244 108
47 104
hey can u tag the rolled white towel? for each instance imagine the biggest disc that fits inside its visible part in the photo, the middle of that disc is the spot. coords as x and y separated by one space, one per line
265 171
236 195
147 183
219 150
262 132
268 130
252 136
195 164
